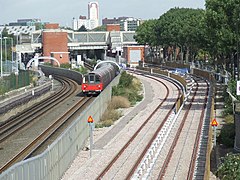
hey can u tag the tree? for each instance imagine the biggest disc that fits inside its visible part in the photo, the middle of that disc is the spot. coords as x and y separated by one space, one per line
100 28
146 34
181 27
222 24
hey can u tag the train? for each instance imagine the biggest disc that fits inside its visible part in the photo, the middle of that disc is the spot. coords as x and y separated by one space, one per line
95 81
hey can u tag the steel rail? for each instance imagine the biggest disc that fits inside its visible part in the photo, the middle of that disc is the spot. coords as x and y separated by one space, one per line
17 157
29 115
108 167
197 140
176 138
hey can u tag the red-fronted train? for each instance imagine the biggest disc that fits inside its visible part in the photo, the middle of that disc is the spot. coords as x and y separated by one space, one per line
95 81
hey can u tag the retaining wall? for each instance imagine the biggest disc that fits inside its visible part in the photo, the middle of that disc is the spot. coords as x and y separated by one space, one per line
54 161
74 75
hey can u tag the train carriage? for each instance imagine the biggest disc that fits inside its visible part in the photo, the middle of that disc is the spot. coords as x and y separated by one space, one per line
95 81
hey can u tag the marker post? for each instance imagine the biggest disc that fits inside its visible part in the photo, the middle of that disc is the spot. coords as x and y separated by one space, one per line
90 123
214 125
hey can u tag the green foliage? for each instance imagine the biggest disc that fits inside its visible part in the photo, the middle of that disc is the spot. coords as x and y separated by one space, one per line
47 64
229 169
11 82
128 88
125 80
146 34
108 117
100 28
221 24
106 123
227 135
65 65
82 70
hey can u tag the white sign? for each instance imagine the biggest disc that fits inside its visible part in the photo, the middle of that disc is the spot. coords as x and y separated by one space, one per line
238 88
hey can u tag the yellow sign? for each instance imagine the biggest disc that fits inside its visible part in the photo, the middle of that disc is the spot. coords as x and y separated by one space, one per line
90 119
214 122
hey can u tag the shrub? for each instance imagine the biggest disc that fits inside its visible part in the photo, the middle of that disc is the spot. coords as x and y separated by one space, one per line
227 135
82 70
119 102
125 80
230 167
65 65
105 123
108 117
128 87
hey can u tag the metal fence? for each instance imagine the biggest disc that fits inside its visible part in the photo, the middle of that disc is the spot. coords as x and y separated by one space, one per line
11 82
55 160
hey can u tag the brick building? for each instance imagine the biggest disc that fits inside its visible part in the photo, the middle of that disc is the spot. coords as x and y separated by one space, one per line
54 41
113 27
133 54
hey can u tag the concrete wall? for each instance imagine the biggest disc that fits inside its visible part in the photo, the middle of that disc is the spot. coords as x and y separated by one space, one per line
74 75
55 160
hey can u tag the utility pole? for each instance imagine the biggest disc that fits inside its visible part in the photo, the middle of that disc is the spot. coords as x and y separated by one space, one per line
1 57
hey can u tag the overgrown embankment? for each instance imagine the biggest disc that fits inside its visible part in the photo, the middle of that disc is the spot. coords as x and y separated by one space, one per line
127 93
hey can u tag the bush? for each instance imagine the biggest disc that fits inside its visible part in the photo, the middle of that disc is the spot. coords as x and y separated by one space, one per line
110 114
82 70
125 80
105 123
227 135
128 87
119 102
108 117
230 167
65 65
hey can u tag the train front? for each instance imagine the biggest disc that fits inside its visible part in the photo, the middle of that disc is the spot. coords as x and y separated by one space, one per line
92 84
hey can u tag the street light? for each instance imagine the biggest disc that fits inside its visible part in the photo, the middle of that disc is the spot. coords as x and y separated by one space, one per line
1 57
5 48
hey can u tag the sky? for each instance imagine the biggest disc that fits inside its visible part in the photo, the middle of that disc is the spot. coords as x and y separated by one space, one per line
62 11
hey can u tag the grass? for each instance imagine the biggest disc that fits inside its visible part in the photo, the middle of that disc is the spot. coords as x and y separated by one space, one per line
112 113
124 95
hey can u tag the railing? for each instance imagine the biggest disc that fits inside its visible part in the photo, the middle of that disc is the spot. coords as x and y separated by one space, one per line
55 160
11 82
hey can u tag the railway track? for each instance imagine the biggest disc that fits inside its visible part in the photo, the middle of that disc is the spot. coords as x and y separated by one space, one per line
166 139
106 173
26 120
27 116
179 162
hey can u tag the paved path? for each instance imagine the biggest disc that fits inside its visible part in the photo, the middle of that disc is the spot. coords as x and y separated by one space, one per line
148 97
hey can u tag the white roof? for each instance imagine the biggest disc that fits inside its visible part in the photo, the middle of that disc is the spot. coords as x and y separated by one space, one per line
18 29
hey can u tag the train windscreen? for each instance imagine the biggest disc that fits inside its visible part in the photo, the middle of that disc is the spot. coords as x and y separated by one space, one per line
98 79
91 78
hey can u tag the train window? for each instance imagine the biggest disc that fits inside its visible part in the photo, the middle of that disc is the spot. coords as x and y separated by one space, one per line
91 78
98 79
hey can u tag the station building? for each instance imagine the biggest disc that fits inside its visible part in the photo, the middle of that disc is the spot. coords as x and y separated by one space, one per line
67 45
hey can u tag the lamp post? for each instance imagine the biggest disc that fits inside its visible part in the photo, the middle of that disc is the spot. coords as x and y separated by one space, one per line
1 57
5 48
12 52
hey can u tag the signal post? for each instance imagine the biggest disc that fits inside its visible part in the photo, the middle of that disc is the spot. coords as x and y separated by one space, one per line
91 124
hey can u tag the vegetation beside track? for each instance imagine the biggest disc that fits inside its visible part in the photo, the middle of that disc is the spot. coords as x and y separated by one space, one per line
229 167
127 93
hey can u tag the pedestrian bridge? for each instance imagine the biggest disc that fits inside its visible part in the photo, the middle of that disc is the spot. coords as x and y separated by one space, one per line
93 39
